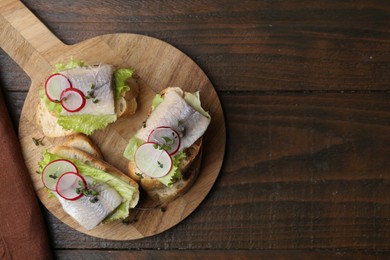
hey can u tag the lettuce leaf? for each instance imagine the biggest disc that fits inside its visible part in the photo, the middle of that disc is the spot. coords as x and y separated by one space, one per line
131 147
157 100
175 173
120 77
53 107
86 124
72 63
125 190
193 99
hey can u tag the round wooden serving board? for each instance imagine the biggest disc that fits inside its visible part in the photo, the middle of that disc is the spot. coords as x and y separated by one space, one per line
158 65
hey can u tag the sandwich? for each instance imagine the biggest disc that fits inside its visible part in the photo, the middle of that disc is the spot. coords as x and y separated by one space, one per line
89 190
165 153
79 98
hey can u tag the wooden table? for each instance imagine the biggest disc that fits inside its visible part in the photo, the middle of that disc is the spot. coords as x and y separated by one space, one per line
305 88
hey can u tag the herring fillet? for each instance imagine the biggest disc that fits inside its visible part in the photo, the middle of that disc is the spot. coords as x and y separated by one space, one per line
89 214
175 112
101 78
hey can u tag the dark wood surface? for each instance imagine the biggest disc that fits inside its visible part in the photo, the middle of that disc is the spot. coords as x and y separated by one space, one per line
305 88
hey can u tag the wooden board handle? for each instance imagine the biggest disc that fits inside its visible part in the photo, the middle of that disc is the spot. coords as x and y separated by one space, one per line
24 38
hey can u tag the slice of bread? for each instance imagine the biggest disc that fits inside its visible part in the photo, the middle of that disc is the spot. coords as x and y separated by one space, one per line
189 167
125 106
68 152
48 122
84 143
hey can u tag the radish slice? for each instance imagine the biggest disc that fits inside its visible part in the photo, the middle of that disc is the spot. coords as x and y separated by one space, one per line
54 170
68 186
167 138
72 99
152 160
54 86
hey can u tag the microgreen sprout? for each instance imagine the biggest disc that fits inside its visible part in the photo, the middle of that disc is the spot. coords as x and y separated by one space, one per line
88 190
38 141
160 164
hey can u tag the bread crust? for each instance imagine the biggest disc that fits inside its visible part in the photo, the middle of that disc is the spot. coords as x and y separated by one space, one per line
84 143
164 194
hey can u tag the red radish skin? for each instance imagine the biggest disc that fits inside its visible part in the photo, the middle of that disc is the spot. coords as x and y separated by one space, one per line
157 134
66 166
72 100
61 189
148 159
64 84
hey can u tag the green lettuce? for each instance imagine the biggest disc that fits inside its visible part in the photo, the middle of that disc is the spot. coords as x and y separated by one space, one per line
86 124
169 179
131 147
53 107
72 63
120 77
125 190
157 100
193 99
175 173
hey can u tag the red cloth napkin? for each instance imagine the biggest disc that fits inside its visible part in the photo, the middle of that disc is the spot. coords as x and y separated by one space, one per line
22 230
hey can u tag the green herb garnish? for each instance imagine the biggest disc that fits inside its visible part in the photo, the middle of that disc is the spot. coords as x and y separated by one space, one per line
53 176
88 190
91 94
160 164
168 140
38 141
180 127
168 143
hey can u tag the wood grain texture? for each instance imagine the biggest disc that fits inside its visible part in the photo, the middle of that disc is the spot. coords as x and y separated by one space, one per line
36 50
249 45
305 90
221 255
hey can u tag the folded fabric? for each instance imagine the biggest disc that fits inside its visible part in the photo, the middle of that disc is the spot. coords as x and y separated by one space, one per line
22 230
